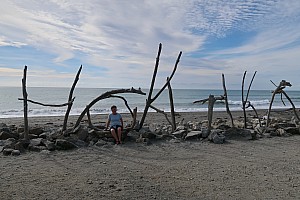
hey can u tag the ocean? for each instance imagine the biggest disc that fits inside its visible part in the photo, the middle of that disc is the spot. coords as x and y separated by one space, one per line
10 106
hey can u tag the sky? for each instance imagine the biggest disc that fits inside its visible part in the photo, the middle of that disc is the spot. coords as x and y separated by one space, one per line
116 42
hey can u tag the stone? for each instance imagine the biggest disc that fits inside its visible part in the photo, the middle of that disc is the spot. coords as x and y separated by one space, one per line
218 138
62 144
179 134
193 135
179 128
282 133
20 146
82 134
204 132
101 143
144 129
36 148
293 130
49 145
238 134
15 153
36 141
20 129
148 135
5 135
7 144
45 135
36 130
7 151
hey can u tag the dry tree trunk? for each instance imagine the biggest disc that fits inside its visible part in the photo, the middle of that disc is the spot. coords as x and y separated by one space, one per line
150 100
26 128
134 118
162 112
172 106
226 100
104 96
70 98
244 101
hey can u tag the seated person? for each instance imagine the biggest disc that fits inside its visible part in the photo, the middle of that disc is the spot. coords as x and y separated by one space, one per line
115 122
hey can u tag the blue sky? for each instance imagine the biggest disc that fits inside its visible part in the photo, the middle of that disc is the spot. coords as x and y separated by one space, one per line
116 42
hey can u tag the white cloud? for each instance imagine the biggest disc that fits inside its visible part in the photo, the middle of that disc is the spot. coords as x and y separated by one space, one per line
123 36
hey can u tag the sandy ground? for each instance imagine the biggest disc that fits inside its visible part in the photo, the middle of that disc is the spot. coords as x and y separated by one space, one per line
268 168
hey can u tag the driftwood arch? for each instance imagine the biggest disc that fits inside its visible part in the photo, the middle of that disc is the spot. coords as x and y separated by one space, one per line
106 95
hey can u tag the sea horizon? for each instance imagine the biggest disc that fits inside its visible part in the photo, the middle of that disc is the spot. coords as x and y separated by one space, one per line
11 107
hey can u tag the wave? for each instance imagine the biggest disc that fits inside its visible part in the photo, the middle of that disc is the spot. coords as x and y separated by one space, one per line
255 102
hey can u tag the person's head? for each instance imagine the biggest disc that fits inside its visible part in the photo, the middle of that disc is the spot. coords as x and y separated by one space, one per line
113 109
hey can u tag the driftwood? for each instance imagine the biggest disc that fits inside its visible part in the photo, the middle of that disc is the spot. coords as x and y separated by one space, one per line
25 104
150 100
70 99
226 100
48 105
211 102
134 118
162 112
279 90
104 96
172 106
133 115
245 100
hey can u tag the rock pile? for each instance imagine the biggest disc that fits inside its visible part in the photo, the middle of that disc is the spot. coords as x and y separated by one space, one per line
52 138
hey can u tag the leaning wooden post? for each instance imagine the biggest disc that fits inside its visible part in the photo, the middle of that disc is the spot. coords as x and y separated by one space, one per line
211 102
26 128
148 100
70 99
226 100
171 105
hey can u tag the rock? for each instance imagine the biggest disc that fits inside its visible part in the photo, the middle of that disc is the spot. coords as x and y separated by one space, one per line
21 145
62 144
7 151
7 144
83 134
193 135
175 140
218 138
36 148
144 129
2 125
49 145
204 133
5 135
179 134
36 130
101 143
148 135
293 130
179 128
36 142
20 129
223 127
282 133
238 134
15 153
45 135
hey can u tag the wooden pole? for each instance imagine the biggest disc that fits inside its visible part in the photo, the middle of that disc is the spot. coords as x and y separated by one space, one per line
226 100
25 105
211 102
70 98
172 106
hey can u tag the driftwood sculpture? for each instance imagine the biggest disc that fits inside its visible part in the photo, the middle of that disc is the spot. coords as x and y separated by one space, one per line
70 99
226 100
245 100
106 95
211 102
26 100
150 100
279 90
25 104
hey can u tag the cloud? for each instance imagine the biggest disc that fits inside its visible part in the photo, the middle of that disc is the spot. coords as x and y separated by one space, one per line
120 38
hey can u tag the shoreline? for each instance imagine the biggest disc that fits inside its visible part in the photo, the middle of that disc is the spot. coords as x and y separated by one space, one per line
152 117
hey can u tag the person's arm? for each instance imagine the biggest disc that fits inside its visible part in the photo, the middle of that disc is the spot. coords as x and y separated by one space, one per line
107 122
122 122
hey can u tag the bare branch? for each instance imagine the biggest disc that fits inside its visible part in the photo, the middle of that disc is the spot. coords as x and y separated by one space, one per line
48 105
162 112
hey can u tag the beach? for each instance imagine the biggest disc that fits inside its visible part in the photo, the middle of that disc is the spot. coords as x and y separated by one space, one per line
267 168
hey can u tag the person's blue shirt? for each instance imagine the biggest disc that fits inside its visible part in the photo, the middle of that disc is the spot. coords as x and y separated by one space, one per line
115 120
